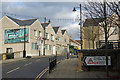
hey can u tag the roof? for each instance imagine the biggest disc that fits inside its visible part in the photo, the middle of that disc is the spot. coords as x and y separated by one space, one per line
63 31
74 41
23 22
79 41
44 24
56 29
92 22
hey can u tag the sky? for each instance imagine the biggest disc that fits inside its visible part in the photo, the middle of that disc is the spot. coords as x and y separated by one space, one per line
59 13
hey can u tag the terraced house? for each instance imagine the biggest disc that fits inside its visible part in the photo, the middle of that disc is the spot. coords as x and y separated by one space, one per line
19 35
62 40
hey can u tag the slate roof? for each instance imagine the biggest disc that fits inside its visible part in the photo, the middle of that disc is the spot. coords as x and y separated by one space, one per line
63 31
56 29
44 25
92 22
23 22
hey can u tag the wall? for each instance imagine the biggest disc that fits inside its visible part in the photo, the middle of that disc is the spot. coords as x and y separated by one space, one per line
50 31
33 39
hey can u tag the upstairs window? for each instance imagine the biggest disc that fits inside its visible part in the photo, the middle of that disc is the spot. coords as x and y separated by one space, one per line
58 38
52 37
65 40
47 36
35 32
114 30
39 33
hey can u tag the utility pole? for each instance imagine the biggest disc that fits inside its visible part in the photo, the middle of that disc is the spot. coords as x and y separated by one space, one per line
44 37
24 51
81 26
106 40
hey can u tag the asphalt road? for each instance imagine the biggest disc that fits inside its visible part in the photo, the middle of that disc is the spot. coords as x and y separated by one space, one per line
28 68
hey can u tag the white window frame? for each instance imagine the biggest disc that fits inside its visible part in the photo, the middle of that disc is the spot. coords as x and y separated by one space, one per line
35 32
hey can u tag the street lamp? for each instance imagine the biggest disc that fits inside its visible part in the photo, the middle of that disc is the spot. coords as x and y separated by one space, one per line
24 51
74 9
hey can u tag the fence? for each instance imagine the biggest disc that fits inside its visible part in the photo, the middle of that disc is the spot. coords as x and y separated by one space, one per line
52 63
111 45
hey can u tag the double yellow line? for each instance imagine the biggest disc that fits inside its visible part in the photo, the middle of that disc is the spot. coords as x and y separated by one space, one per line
41 74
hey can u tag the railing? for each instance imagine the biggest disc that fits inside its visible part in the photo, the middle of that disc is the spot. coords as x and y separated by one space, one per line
52 63
111 45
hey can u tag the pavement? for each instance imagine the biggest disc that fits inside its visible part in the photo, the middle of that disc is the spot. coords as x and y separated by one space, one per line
68 68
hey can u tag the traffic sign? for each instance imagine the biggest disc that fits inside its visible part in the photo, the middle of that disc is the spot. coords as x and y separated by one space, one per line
39 38
96 60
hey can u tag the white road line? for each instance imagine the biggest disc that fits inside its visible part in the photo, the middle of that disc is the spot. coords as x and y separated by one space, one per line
13 70
28 64
38 60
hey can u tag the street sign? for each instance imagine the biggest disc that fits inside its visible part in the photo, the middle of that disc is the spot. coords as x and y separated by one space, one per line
96 60
39 40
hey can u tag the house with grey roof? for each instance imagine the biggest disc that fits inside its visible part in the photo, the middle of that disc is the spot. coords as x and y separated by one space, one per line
50 42
62 40
65 41
14 31
113 32
90 32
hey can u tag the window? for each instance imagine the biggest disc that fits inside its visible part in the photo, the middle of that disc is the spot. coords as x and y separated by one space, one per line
114 30
39 33
35 46
46 47
65 40
50 47
58 38
35 33
58 48
65 50
47 36
52 37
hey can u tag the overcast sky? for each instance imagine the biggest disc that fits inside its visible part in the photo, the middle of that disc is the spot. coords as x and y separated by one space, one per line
60 13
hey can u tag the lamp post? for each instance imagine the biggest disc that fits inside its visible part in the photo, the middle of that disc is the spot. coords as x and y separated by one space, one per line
74 9
44 37
24 51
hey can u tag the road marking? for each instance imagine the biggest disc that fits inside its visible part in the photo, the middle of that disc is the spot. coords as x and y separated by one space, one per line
44 71
13 70
28 64
40 75
37 60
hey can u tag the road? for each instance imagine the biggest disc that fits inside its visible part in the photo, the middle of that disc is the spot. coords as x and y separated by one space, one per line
28 68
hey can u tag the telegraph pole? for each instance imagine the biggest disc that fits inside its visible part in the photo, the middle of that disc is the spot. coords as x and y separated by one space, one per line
44 37
106 41
81 26
24 51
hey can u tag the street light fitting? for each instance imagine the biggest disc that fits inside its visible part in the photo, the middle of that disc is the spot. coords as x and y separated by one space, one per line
49 21
74 9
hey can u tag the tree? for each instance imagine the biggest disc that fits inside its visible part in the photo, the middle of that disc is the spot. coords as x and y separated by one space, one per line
104 10
91 34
